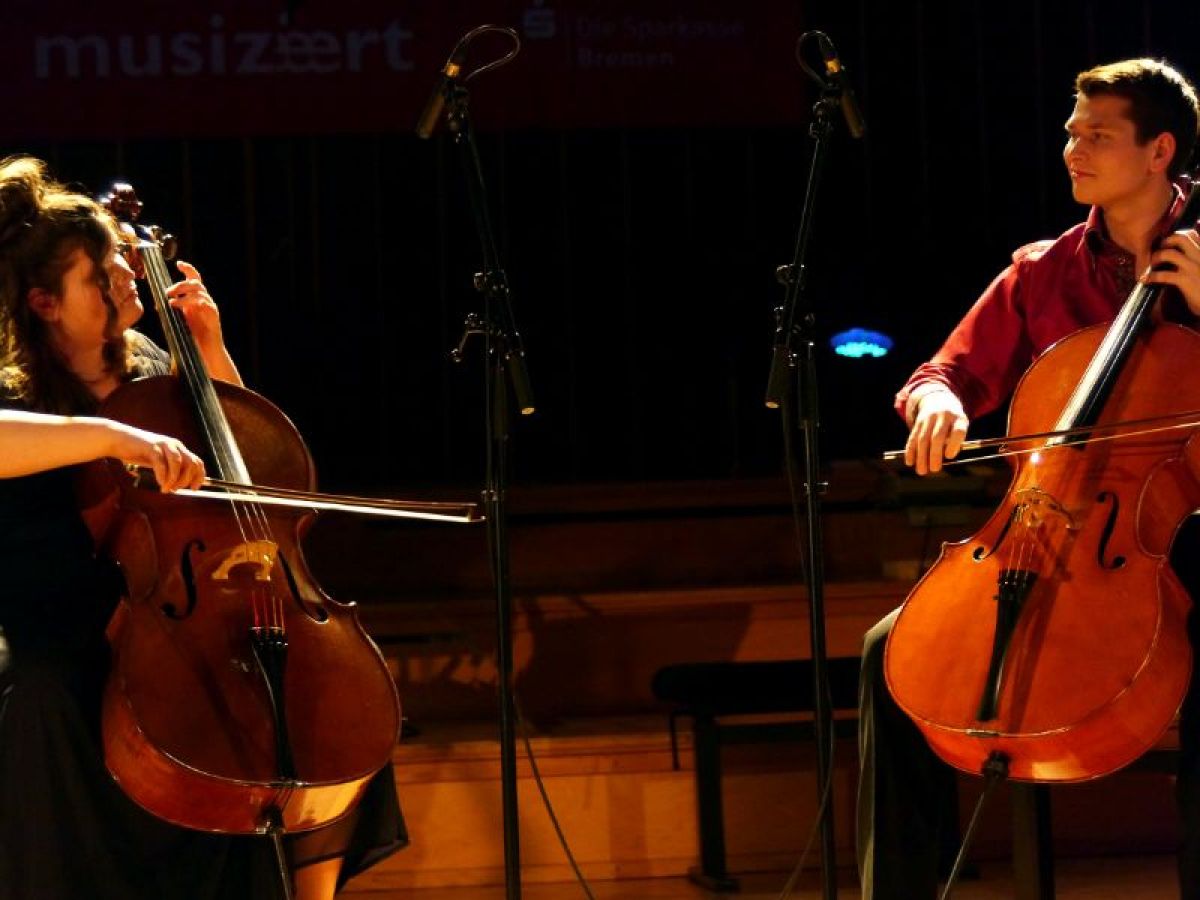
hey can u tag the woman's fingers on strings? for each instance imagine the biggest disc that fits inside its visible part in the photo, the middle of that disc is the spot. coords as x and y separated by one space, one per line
188 291
192 285
192 298
189 271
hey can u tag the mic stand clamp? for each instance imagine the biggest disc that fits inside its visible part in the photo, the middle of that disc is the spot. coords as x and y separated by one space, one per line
504 353
792 275
795 328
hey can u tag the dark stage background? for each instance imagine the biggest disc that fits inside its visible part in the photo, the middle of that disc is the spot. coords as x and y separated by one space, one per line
646 163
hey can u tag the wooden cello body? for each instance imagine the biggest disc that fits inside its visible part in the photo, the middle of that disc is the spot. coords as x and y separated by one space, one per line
241 698
197 729
1055 637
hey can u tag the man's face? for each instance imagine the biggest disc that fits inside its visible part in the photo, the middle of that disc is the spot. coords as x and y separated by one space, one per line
1103 157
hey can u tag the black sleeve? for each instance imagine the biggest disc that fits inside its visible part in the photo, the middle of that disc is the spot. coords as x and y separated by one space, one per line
147 358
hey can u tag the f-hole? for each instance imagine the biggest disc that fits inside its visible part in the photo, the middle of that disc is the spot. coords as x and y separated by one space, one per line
981 553
313 611
189 581
1106 535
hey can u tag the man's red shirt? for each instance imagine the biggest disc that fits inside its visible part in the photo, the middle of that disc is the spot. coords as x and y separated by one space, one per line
1051 289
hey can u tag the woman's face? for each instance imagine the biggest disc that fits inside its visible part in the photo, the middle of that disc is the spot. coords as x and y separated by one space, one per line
122 291
94 304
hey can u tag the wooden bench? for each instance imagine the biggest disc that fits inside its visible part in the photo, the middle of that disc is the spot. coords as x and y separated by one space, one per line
709 693
715 694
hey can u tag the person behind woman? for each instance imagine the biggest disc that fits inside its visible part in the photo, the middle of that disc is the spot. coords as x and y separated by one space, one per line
67 304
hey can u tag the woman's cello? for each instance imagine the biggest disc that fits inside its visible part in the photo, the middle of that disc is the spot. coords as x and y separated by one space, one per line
242 698
1051 645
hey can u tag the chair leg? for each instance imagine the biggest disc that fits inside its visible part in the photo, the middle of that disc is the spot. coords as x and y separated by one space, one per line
711 872
1033 842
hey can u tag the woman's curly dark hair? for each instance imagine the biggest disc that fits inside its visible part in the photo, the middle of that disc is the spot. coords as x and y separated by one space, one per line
42 223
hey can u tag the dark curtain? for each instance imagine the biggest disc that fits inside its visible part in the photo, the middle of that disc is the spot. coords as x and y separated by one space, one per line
642 260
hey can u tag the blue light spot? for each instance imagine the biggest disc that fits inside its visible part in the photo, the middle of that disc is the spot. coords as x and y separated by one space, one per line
859 342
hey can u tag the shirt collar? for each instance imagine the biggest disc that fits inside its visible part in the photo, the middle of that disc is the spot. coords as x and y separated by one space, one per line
1095 234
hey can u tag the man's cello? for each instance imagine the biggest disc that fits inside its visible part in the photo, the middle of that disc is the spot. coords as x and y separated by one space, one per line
1052 643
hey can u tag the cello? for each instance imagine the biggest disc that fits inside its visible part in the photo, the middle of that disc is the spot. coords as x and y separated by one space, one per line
242 699
1051 645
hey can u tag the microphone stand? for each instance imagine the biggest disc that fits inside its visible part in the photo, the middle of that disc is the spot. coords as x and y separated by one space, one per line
503 354
795 325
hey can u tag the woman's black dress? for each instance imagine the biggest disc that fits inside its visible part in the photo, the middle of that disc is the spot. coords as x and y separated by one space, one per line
67 832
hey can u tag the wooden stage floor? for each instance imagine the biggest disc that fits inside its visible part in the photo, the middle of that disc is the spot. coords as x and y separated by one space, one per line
1126 878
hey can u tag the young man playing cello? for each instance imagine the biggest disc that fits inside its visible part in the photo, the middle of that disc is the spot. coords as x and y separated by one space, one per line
1129 137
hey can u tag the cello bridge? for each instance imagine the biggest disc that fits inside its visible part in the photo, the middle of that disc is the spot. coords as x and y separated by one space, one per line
259 554
1035 506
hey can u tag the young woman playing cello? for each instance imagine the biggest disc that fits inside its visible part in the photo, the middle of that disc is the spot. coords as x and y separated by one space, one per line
67 306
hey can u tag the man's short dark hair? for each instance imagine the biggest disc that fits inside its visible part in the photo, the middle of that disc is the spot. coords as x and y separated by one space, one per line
1160 99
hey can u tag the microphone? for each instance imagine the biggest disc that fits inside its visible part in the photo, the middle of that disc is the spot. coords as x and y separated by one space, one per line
837 74
432 113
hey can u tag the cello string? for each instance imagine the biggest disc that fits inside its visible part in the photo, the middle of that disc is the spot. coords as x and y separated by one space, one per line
267 605
268 611
210 419
191 367
159 280
1103 362
1186 419
1018 572
1032 545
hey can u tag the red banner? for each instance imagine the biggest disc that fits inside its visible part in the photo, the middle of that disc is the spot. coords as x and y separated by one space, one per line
143 68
